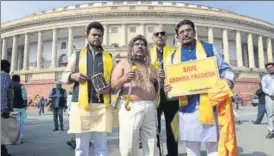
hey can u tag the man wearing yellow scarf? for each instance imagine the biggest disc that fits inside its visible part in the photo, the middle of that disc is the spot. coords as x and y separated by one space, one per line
160 55
90 114
199 118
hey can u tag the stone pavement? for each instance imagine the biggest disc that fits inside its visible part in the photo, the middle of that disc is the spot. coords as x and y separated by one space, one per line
40 140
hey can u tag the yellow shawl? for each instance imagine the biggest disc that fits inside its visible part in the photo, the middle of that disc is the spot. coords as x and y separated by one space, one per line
83 87
167 52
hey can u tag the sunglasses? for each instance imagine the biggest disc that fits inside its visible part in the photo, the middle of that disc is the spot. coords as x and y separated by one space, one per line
160 33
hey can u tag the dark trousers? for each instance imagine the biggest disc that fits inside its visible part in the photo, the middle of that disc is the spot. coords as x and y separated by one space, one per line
237 105
261 112
58 112
4 151
169 109
41 109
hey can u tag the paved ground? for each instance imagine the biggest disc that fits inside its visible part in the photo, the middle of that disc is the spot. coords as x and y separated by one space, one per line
40 140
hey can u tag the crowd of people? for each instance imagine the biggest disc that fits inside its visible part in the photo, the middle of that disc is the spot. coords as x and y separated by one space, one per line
132 94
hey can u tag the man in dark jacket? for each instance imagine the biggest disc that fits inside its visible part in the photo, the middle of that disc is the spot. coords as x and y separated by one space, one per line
58 96
261 106
20 100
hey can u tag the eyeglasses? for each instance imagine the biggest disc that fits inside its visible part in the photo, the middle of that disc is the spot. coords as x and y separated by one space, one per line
160 33
99 35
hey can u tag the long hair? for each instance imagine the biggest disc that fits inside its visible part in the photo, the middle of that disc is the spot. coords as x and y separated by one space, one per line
143 74
131 43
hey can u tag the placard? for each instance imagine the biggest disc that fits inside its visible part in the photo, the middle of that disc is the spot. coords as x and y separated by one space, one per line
192 77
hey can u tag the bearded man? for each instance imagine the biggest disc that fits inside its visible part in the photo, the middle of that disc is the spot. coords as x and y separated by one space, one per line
90 113
136 80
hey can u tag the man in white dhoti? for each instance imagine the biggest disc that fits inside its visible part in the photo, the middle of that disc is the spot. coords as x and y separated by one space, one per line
191 131
136 78
268 89
90 113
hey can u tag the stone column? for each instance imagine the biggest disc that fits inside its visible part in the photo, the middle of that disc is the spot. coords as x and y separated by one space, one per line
106 35
196 35
225 46
26 52
14 54
86 41
19 58
142 29
250 51
269 50
70 40
261 52
53 50
124 34
239 49
4 49
210 36
39 50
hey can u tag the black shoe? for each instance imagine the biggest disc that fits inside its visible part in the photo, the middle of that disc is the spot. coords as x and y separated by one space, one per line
270 135
72 145
255 122
140 145
238 122
62 129
55 129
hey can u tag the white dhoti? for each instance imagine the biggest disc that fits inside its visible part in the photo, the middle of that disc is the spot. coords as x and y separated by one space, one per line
87 125
269 106
142 118
98 119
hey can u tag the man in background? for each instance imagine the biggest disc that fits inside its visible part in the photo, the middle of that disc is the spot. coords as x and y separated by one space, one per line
5 105
58 96
268 89
237 100
261 106
41 105
20 100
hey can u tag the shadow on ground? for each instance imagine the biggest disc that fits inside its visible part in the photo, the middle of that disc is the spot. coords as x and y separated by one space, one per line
256 153
240 150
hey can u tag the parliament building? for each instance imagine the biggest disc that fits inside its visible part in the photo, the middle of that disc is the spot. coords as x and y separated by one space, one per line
39 46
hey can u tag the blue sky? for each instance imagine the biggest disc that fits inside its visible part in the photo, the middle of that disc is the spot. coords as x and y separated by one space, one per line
263 10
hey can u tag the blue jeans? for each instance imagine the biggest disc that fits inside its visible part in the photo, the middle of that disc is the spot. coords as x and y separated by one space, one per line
261 112
58 113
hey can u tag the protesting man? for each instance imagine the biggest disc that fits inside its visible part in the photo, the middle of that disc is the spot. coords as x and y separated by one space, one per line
136 79
20 100
58 97
90 112
160 54
193 130
268 89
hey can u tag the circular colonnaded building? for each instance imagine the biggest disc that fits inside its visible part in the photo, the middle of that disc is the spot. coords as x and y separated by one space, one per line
40 45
